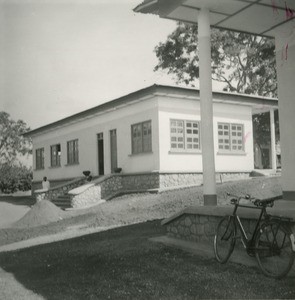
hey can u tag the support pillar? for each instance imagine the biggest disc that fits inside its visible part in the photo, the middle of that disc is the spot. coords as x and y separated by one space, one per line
285 58
208 158
273 140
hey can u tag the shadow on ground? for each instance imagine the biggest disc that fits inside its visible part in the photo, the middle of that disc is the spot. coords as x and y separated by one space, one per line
123 263
23 200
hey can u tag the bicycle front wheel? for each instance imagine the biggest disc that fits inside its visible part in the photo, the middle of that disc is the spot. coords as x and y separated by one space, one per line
273 249
224 239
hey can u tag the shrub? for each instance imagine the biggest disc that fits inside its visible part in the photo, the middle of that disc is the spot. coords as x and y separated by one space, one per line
15 177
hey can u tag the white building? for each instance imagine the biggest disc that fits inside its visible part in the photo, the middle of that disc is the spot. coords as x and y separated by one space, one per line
155 130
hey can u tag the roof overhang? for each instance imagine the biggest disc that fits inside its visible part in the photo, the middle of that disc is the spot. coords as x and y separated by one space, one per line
257 103
260 17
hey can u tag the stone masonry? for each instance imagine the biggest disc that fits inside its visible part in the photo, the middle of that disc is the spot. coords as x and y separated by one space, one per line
140 181
89 197
56 191
112 185
201 228
185 179
193 227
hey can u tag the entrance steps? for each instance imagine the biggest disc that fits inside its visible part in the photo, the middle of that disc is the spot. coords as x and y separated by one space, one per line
62 201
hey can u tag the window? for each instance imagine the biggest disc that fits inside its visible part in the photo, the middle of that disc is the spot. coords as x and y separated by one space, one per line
141 137
39 158
55 155
184 135
73 152
230 137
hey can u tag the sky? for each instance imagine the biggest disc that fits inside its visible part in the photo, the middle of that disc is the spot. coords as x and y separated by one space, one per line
60 57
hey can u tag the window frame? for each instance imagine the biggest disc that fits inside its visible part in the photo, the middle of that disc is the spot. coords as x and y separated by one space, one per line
188 145
233 138
73 152
55 158
142 143
39 159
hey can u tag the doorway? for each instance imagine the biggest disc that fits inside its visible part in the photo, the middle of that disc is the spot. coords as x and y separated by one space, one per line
114 161
100 154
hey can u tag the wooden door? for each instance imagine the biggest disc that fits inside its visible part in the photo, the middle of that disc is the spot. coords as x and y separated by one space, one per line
100 154
113 139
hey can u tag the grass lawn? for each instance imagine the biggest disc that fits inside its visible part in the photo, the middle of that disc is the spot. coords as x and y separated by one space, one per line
122 263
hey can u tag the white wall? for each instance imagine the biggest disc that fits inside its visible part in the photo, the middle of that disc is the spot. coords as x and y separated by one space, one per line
192 162
159 110
86 132
234 114
173 108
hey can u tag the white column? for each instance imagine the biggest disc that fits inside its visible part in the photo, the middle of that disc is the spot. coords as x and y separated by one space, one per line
208 160
273 140
286 94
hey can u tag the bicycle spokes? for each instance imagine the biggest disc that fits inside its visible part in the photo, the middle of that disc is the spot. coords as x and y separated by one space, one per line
224 239
274 250
228 233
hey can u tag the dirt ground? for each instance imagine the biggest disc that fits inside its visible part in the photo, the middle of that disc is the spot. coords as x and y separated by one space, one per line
129 209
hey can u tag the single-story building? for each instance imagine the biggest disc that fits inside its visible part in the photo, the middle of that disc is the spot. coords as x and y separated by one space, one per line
153 131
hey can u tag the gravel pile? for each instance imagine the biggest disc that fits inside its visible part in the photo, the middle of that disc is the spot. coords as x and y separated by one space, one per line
43 212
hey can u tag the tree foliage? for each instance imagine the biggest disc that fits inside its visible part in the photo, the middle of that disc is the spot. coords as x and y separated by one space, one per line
12 143
15 177
261 132
243 62
261 128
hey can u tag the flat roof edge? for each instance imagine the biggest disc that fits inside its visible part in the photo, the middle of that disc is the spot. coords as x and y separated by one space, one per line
153 89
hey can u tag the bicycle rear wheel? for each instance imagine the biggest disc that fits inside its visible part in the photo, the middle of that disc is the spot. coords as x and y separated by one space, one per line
224 239
273 250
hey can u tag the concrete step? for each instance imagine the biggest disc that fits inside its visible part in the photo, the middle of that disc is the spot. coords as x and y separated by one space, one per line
66 198
62 201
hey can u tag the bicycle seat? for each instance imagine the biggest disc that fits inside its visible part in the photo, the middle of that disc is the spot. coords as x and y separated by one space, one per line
264 203
233 200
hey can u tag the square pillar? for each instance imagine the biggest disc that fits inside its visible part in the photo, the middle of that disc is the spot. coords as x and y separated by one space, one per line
273 140
206 104
285 57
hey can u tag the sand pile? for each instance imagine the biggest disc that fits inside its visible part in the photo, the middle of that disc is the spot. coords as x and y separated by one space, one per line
42 213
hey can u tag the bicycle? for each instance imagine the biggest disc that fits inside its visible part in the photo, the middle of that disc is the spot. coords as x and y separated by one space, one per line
272 242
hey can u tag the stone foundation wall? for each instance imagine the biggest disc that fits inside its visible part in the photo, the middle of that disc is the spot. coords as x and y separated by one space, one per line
202 228
111 186
103 188
196 228
180 179
89 197
140 181
62 189
36 185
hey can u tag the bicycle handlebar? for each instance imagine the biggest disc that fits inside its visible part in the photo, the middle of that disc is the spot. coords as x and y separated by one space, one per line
257 202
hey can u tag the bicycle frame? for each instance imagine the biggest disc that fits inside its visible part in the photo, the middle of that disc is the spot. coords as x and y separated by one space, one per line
272 241
248 243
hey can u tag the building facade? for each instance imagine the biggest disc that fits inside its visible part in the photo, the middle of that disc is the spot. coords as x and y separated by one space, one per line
153 130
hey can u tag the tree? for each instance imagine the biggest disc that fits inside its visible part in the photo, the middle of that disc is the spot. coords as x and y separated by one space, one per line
243 62
12 143
261 132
